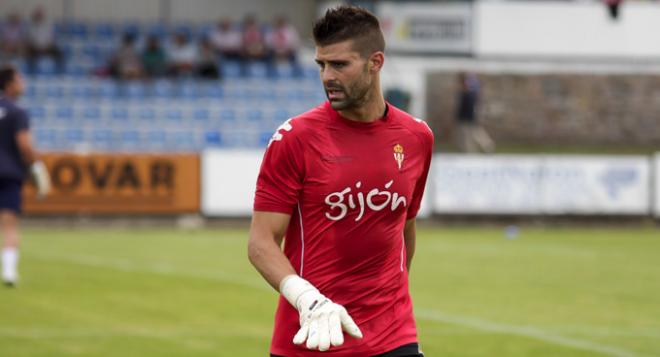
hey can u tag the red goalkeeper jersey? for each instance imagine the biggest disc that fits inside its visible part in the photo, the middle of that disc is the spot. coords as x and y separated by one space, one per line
349 188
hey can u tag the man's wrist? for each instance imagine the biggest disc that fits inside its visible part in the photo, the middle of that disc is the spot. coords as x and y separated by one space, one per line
293 287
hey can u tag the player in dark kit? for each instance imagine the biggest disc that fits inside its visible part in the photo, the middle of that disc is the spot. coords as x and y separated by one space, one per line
17 156
341 185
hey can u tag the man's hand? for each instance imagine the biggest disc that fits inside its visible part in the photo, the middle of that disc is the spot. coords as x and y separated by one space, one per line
321 320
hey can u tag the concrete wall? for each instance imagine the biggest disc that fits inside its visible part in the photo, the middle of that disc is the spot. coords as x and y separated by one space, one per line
557 108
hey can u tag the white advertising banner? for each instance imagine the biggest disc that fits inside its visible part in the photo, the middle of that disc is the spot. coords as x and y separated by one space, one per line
229 179
426 27
596 185
486 184
510 184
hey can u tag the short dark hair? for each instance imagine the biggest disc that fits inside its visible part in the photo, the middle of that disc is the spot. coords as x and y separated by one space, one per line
348 22
7 75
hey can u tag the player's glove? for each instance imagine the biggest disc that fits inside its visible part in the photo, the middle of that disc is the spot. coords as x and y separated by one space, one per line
321 320
41 178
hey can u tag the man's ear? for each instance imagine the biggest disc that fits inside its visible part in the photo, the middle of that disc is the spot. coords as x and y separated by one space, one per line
376 61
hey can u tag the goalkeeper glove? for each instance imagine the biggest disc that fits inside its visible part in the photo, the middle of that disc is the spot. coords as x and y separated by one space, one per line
321 320
41 178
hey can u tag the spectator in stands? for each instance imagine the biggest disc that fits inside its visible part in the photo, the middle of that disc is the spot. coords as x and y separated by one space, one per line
182 55
283 42
227 40
12 37
472 137
41 40
126 63
254 45
207 64
613 7
154 59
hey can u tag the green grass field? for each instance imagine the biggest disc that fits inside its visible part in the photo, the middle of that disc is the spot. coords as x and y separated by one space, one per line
550 292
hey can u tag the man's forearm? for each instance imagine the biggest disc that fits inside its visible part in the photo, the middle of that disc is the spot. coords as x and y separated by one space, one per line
409 239
268 258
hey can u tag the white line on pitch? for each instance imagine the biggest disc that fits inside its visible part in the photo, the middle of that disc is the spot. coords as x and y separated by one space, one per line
526 331
159 268
426 314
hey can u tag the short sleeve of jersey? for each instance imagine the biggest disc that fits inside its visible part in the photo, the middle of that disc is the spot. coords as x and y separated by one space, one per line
427 141
281 175
22 122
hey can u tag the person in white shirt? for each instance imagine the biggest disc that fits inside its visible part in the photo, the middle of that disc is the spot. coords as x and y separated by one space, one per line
227 40
12 36
283 42
182 55
41 40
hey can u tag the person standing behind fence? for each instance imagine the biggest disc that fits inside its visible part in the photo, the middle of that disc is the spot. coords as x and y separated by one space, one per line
16 156
471 136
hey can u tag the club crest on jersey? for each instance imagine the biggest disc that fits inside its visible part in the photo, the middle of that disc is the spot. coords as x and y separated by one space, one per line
398 155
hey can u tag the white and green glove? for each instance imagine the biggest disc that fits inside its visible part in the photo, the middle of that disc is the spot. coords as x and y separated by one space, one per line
41 178
321 320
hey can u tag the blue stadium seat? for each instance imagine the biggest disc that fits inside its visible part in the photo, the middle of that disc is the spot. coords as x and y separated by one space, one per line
173 115
108 89
85 91
163 89
134 90
186 29
158 29
231 69
147 114
254 115
45 138
184 140
257 70
74 136
64 113
213 138
189 90
228 114
92 51
264 137
104 31
281 114
91 113
156 139
103 139
130 28
130 139
37 112
201 115
119 113
45 66
214 91
76 69
76 29
54 92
